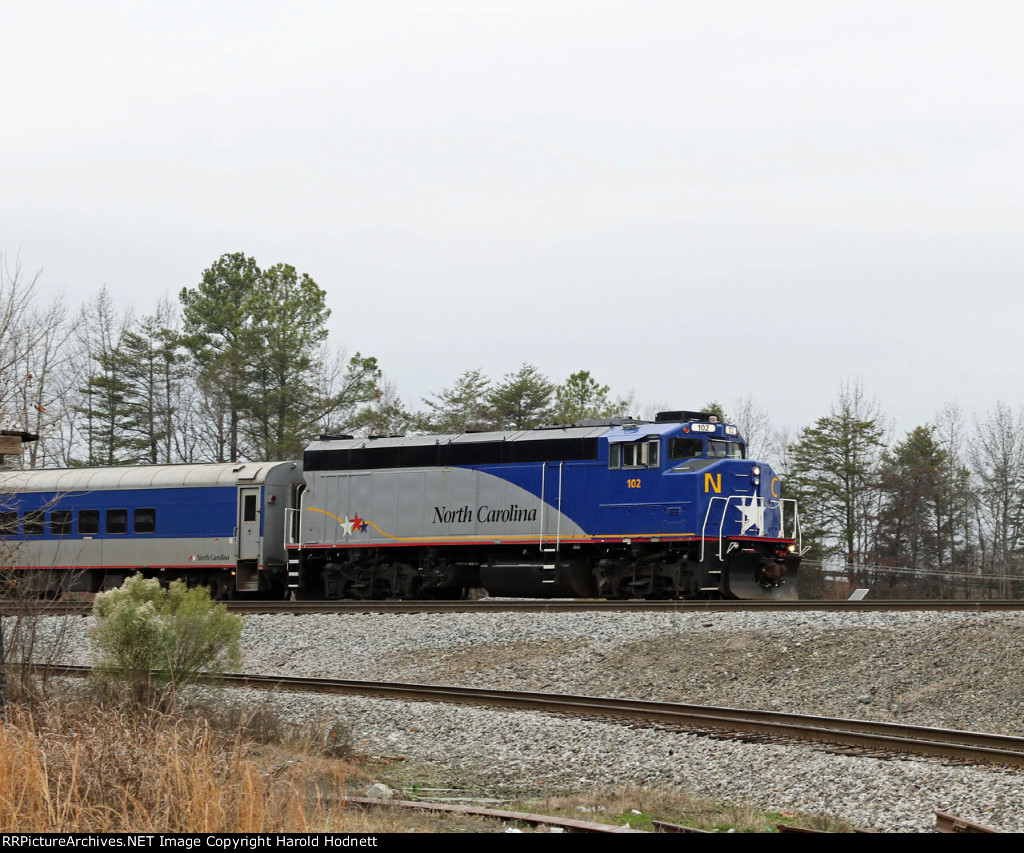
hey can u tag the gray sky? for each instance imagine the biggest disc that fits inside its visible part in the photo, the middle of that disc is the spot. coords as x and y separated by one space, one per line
693 201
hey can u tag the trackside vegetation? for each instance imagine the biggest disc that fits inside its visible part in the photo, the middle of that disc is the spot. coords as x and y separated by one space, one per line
158 639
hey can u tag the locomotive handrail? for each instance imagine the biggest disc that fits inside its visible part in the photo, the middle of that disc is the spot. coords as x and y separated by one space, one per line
543 507
291 528
797 535
761 503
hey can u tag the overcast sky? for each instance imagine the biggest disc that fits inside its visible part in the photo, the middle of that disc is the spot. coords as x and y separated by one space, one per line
694 201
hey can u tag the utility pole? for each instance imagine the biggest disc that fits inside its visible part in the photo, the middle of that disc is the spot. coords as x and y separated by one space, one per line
3 669
11 442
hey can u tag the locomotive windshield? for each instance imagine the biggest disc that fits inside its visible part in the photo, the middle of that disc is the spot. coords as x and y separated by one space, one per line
725 449
685 448
690 448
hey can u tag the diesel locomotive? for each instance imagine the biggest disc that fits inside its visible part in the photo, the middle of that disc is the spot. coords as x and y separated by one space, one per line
611 509
617 508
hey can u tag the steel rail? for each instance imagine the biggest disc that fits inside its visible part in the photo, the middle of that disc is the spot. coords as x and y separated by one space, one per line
947 823
297 608
896 738
570 824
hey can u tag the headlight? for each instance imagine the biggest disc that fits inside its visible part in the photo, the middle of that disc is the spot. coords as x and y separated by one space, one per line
756 471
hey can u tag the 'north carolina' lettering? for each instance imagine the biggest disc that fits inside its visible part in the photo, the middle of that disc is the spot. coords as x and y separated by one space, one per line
484 514
511 513
443 515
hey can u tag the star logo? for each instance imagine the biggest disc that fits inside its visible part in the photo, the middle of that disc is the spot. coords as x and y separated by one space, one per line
753 515
353 525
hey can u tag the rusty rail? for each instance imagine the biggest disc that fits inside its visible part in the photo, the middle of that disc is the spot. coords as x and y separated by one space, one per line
887 738
566 823
948 823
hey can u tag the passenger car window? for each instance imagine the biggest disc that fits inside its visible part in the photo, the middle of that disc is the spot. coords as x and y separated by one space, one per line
88 521
8 524
117 521
144 521
33 522
60 522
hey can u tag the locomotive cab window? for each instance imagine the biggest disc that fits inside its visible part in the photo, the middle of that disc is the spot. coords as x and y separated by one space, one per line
685 448
725 449
144 521
117 521
633 454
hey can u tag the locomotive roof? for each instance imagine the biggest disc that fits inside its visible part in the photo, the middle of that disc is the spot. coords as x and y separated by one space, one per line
546 433
139 476
617 429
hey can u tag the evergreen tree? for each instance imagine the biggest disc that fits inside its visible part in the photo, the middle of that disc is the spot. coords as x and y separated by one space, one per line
715 408
581 397
152 367
522 400
915 490
288 317
833 474
259 338
218 324
105 391
461 407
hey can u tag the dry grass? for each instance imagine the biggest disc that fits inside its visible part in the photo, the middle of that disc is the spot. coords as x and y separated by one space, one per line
80 767
103 764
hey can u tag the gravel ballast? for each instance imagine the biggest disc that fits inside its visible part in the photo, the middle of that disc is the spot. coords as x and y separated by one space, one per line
953 670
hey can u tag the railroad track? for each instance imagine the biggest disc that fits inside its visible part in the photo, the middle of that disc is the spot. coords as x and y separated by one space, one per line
861 736
297 608
944 823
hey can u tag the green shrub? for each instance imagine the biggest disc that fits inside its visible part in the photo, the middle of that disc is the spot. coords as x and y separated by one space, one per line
159 639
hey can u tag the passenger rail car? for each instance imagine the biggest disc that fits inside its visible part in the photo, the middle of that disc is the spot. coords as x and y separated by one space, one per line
86 529
616 509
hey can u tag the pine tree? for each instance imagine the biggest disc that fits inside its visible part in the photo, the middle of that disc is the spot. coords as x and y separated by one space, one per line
461 407
833 475
522 400
581 397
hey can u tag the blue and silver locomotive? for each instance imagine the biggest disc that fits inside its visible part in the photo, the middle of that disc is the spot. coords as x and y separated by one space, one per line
610 509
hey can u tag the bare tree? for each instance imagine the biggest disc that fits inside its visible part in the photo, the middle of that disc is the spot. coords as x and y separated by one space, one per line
18 333
997 464
755 426
958 517
48 378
